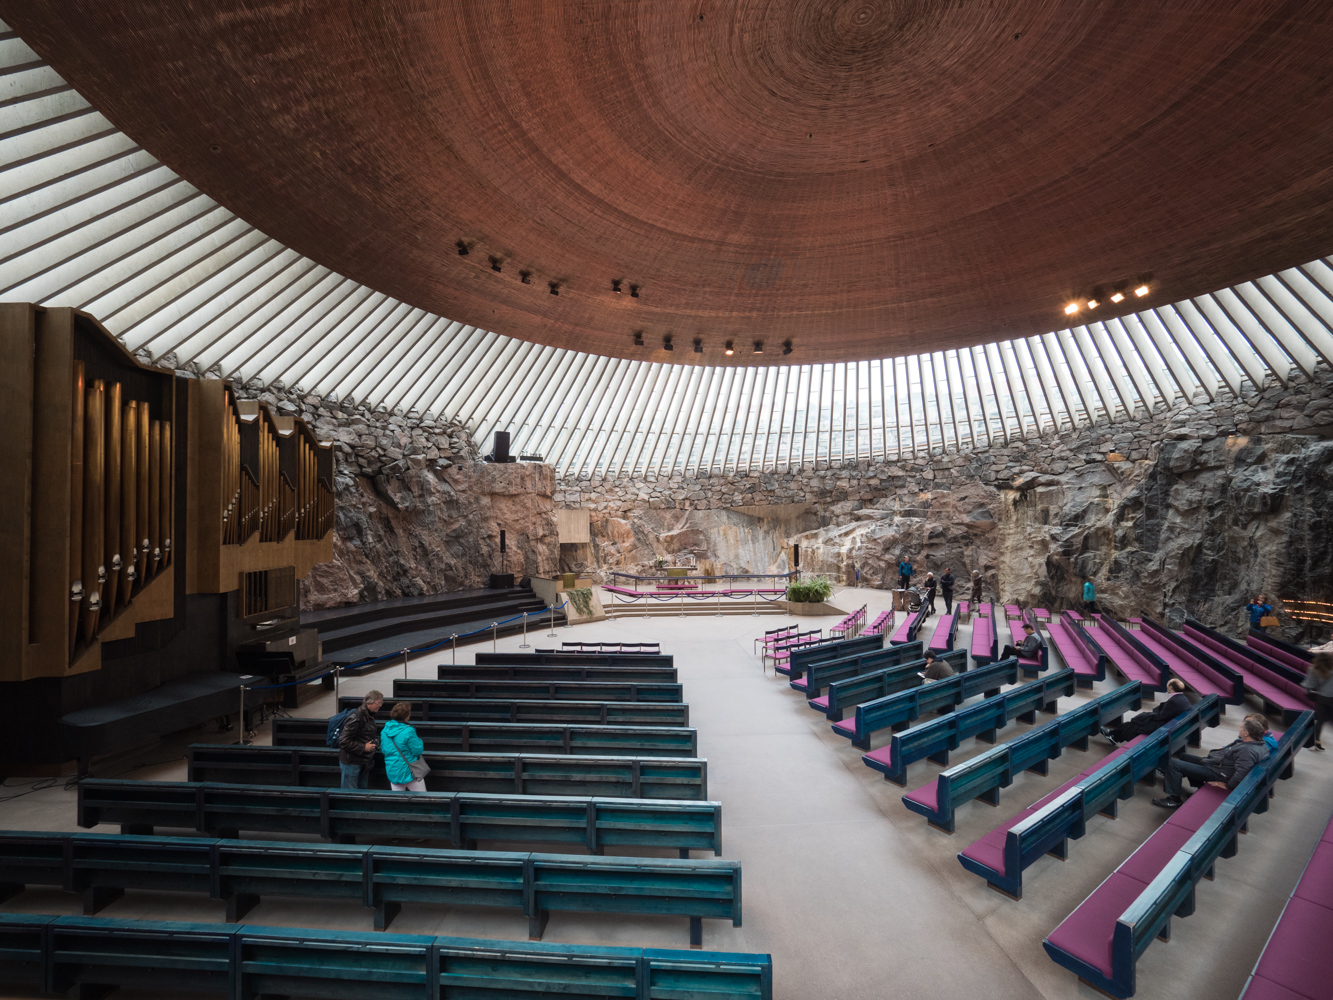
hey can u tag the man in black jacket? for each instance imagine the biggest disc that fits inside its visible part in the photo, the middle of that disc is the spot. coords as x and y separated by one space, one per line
1225 768
1030 648
358 741
946 589
1177 703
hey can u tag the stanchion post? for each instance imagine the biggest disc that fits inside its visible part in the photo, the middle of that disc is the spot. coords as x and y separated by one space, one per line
755 612
524 644
495 632
454 639
551 634
337 683
405 652
718 595
240 719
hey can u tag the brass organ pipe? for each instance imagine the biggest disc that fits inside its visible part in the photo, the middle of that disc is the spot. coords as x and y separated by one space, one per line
141 514
75 561
164 496
154 491
93 454
111 511
129 505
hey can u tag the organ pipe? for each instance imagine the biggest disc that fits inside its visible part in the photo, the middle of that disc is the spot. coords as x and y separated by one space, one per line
164 494
129 504
111 511
75 561
142 497
94 572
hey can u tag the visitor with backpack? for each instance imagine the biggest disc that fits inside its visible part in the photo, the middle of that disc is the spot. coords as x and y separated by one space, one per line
402 751
358 739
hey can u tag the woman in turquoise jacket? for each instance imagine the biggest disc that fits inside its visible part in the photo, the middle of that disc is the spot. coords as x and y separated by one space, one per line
401 745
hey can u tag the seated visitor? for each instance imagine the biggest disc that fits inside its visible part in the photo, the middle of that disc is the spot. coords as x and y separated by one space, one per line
358 742
936 669
1149 722
1225 768
1029 649
402 752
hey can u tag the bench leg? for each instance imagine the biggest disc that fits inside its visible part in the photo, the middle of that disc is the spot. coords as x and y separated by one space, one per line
990 796
345 838
1060 851
685 853
1042 767
385 912
470 845
537 924
96 897
93 991
696 932
1028 718
239 904
228 833
1194 739
8 890
136 829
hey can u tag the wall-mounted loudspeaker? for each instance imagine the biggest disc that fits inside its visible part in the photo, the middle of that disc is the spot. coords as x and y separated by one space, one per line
500 453
502 541
796 556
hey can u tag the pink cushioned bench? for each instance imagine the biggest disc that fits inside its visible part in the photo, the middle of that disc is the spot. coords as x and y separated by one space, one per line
1013 611
1196 674
1016 636
941 640
983 637
1293 656
1281 692
1075 654
1297 963
1133 663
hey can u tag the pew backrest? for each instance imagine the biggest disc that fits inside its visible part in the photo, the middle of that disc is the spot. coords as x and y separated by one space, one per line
588 713
799 659
905 706
532 690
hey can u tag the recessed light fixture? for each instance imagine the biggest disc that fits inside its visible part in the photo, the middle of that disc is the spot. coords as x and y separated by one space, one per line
758 347
615 285
786 347
1071 308
666 343
525 277
729 350
634 291
1141 291
462 248
698 345
554 286
495 263
1118 297
1093 303
638 338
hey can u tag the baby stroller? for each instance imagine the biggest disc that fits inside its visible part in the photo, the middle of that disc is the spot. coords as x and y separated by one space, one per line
914 599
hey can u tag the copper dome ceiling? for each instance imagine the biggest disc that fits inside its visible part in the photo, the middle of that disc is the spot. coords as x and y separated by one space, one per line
863 178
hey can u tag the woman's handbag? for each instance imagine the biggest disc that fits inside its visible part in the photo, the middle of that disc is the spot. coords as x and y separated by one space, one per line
418 767
1269 621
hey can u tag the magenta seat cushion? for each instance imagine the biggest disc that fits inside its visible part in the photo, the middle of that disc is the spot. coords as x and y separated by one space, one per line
1327 838
927 795
884 755
1297 955
1197 808
1086 933
800 682
989 850
820 702
1317 882
848 726
1145 863
1265 989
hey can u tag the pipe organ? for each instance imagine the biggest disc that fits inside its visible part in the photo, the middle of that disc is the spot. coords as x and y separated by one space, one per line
153 523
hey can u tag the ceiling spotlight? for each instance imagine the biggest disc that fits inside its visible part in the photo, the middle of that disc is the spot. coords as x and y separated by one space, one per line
758 347
462 248
1093 303
554 286
525 277
698 345
638 338
634 291
729 350
1071 308
666 343
495 263
615 285
1141 291
1118 297
786 347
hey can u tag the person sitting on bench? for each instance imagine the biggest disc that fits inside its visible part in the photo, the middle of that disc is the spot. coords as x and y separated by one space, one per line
1149 722
936 669
1030 649
1225 768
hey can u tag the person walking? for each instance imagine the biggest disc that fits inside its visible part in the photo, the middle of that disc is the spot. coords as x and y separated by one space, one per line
976 589
904 573
403 749
1259 610
1225 767
1319 682
358 742
947 582
931 587
1089 597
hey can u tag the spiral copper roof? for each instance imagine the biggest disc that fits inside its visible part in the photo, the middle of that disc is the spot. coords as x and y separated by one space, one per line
862 177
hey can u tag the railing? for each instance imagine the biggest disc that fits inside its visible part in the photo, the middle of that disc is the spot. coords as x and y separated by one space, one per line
710 578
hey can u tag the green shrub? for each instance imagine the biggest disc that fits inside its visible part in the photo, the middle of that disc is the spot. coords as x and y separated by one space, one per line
811 591
581 598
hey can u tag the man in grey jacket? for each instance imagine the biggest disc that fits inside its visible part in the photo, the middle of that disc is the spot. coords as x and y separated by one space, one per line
1225 768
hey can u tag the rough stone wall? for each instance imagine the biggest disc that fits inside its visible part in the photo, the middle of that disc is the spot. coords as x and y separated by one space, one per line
1192 509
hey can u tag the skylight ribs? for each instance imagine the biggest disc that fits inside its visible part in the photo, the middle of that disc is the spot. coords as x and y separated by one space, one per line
1258 309
1305 306
1231 319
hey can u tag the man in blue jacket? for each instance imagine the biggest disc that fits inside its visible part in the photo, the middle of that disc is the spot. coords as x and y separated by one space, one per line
1089 597
904 573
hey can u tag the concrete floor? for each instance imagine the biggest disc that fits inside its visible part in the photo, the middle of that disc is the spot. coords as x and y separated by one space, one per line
854 896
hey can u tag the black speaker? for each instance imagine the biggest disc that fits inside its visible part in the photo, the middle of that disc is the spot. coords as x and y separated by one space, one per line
501 449
502 540
796 556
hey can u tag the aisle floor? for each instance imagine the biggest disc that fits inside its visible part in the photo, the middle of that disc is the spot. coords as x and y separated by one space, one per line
854 896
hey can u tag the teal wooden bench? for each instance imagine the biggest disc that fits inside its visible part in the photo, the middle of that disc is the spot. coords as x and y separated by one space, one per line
1047 826
901 708
799 659
1157 882
586 713
507 737
934 740
879 683
558 659
984 775
618 674
502 774
553 690
458 818
100 867
247 962
820 673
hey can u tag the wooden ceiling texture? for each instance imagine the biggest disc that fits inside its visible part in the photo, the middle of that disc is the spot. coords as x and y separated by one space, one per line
864 178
